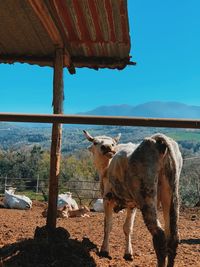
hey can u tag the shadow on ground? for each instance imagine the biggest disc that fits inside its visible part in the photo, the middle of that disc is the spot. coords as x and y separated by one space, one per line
191 241
42 251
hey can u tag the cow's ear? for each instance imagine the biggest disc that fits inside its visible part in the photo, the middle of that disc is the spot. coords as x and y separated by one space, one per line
117 138
88 136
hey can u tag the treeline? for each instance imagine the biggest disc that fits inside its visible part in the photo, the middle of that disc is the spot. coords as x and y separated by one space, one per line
36 162
79 167
28 165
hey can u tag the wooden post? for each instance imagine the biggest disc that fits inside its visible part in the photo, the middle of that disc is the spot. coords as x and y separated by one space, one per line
58 97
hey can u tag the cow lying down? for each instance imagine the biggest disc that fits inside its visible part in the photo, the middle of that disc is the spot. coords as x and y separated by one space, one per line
140 177
13 201
67 212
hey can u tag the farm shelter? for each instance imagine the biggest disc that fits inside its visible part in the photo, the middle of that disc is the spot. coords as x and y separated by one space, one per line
71 34
63 33
56 119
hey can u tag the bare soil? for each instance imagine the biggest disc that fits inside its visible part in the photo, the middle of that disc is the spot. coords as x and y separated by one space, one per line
77 240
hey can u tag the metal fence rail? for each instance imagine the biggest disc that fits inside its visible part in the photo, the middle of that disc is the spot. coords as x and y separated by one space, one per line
37 187
101 120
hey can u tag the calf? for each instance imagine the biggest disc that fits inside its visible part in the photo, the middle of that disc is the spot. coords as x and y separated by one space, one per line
144 177
103 149
81 212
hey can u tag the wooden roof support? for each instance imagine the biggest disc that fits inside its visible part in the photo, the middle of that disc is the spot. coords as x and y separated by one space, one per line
58 97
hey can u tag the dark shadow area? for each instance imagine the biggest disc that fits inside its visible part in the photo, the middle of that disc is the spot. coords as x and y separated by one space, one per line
190 241
42 251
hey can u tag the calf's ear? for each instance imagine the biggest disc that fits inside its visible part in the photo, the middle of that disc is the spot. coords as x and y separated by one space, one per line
117 138
88 136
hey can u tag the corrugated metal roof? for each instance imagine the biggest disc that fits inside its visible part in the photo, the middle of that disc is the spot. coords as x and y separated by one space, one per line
92 33
21 32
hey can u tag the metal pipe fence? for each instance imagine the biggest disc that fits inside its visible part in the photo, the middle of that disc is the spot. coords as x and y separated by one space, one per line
101 120
37 188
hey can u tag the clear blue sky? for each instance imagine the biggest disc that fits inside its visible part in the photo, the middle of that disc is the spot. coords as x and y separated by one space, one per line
165 39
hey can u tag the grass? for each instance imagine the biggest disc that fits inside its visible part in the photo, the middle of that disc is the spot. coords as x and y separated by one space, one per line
32 195
190 135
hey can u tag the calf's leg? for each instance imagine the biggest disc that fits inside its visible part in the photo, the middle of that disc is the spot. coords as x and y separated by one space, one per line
108 213
149 213
170 207
128 228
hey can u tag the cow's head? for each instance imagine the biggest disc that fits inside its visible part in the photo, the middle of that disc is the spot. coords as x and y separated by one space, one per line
102 146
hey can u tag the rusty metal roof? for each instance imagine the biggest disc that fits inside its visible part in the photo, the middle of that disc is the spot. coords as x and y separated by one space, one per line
92 33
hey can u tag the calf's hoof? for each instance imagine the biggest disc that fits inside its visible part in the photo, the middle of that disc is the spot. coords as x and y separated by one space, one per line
128 257
105 254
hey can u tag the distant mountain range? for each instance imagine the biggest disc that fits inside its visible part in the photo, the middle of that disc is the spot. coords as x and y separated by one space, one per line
150 109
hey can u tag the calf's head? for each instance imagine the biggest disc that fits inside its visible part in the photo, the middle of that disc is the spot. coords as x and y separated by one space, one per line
103 147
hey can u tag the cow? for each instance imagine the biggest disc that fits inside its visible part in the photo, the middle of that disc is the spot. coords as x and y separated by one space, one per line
141 177
81 212
67 212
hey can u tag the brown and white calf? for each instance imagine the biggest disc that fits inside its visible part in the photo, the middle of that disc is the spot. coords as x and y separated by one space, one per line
103 149
141 178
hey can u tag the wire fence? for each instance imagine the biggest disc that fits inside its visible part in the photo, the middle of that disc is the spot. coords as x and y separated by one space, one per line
37 188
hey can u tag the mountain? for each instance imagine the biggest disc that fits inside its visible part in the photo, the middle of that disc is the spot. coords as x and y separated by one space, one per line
116 110
154 109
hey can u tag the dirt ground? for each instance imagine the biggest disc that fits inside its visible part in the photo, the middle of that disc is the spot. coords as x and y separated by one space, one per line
78 240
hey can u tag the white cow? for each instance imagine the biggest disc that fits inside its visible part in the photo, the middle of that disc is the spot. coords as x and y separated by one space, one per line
103 149
142 178
13 201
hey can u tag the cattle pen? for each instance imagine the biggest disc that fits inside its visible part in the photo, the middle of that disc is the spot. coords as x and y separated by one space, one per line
66 34
104 43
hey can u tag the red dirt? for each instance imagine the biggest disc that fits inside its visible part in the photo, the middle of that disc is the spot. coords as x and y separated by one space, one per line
18 247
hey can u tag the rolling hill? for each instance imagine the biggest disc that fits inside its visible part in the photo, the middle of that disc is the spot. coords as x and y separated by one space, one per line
150 109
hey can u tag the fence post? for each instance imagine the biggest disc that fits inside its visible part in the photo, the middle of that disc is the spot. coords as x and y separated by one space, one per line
37 185
5 183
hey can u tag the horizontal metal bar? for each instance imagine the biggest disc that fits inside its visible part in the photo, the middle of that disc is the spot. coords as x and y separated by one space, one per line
81 189
100 120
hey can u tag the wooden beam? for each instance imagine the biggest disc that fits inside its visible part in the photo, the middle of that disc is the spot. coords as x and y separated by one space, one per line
102 120
56 140
32 60
70 63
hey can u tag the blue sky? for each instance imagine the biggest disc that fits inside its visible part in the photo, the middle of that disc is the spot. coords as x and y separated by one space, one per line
165 43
